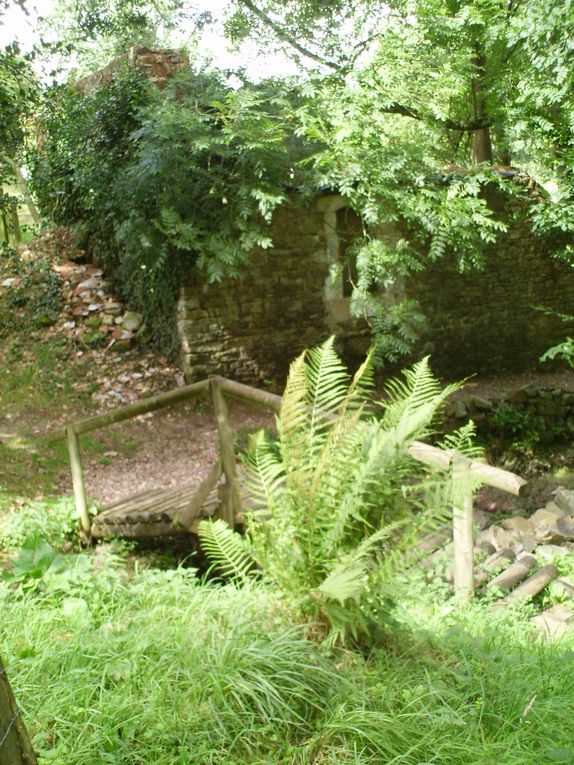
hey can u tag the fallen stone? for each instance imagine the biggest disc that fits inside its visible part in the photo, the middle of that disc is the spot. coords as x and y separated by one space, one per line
108 320
113 308
457 409
517 524
554 621
517 396
549 552
564 499
13 281
545 526
88 284
132 320
566 527
482 404
492 539
121 334
480 518
553 507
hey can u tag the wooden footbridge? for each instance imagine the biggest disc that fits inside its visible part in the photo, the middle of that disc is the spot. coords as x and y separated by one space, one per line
167 512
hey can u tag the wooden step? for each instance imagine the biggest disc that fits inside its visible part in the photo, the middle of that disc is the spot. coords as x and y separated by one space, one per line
152 514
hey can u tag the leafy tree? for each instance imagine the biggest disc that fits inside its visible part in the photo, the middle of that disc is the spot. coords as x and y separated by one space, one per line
165 184
404 95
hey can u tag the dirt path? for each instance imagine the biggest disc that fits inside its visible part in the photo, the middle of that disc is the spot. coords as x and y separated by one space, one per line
161 450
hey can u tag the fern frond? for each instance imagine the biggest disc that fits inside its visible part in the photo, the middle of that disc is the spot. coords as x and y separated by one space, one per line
413 403
462 441
226 549
265 473
327 386
293 417
349 579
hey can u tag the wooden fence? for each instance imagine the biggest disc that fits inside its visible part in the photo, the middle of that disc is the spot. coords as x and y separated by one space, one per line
222 389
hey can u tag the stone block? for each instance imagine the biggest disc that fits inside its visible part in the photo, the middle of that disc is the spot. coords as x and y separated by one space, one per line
566 527
545 526
554 621
481 404
518 525
564 499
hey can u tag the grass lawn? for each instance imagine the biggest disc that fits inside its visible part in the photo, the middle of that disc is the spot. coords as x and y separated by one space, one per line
113 662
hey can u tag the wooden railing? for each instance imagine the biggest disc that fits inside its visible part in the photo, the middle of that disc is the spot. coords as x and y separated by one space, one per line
221 389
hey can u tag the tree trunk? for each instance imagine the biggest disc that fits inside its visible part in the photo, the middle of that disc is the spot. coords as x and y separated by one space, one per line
25 191
15 744
482 146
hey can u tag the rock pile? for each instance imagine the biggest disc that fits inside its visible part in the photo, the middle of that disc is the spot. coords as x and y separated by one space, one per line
552 525
96 324
90 315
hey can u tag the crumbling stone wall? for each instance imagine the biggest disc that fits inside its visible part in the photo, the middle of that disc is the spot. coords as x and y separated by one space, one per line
158 64
481 322
486 321
251 328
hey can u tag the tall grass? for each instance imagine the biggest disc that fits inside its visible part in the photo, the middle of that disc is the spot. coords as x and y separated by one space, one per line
147 667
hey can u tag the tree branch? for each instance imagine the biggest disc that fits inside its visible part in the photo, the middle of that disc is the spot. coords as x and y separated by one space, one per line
286 37
414 114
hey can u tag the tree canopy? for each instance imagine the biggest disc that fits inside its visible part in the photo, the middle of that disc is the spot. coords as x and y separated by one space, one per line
408 107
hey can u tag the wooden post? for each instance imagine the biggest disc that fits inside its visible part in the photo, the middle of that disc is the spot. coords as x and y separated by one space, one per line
226 447
462 535
15 744
78 479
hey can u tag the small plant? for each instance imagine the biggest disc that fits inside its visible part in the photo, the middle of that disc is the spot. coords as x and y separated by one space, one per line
34 299
55 521
35 559
521 426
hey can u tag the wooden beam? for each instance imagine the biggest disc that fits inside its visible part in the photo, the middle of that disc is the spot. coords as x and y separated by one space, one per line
226 448
425 453
78 479
145 405
486 474
247 393
193 509
15 744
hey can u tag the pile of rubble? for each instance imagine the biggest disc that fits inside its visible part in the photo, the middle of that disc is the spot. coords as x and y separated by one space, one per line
552 525
91 316
98 325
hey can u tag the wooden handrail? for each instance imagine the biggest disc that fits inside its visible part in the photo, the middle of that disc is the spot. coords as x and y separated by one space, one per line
425 453
143 406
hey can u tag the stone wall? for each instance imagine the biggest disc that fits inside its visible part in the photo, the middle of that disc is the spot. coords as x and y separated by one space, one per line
251 328
481 322
546 413
158 64
485 322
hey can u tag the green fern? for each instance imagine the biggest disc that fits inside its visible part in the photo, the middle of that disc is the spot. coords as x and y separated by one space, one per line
227 550
338 520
